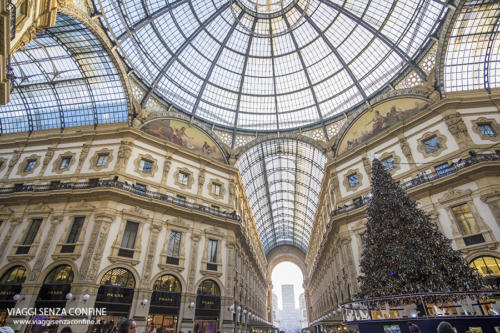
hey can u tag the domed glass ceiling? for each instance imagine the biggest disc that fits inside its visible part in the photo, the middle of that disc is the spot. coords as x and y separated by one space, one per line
267 65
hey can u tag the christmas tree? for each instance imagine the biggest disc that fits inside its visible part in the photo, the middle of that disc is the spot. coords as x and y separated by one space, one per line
404 251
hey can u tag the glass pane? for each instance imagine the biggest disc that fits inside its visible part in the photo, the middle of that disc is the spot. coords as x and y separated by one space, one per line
32 231
76 228
174 244
432 144
465 219
129 235
264 64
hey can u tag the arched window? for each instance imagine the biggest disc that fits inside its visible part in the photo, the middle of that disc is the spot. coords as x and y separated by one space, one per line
168 283
486 266
15 275
62 274
208 288
10 285
55 288
118 277
489 268
116 293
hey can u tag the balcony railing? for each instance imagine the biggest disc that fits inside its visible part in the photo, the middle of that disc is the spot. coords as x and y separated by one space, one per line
423 178
484 303
123 186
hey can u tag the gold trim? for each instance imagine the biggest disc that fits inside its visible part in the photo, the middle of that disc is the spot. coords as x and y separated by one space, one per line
56 166
494 125
211 191
346 180
396 158
190 178
93 160
21 169
149 158
442 142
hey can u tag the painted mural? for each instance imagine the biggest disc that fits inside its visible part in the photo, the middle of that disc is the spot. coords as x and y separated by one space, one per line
185 135
379 118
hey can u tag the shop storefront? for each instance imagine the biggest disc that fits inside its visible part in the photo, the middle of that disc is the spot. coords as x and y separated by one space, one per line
207 307
115 294
11 284
165 304
53 294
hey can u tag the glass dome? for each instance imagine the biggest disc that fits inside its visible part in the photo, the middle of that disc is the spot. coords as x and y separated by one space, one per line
269 65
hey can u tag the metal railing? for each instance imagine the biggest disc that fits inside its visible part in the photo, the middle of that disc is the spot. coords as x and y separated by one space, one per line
121 186
423 178
484 303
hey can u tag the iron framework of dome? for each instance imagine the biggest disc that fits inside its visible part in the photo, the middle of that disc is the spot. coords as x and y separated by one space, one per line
269 65
63 78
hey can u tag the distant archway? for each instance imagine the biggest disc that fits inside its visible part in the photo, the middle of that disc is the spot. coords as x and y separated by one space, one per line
286 253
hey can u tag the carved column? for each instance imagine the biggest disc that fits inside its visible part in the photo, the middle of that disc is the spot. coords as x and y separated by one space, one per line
201 182
12 162
83 155
367 165
95 249
405 148
155 228
232 193
457 127
42 254
13 223
123 155
47 159
166 168
195 239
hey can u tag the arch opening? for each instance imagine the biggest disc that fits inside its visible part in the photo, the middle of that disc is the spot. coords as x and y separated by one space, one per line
288 295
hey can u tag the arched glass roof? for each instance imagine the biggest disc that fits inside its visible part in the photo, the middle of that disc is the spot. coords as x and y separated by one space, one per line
267 65
282 180
472 56
63 78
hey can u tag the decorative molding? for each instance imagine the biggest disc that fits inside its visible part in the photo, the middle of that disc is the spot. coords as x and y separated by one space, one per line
346 180
13 161
39 210
123 155
211 186
22 166
454 194
98 252
81 206
93 160
56 166
147 157
428 135
155 229
166 167
3 163
494 125
367 165
396 158
47 158
135 213
405 148
190 178
83 155
457 128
